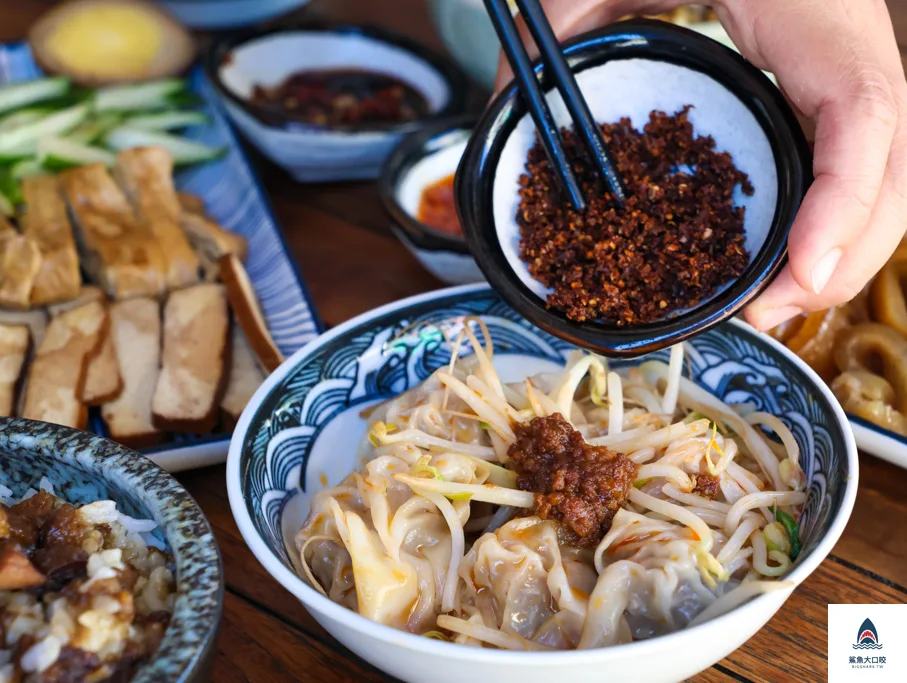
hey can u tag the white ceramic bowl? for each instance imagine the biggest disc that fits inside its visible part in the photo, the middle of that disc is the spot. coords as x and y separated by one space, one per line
300 432
422 159
320 153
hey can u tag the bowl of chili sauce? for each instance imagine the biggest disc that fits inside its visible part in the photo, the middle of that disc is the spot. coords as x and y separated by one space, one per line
328 101
417 188
715 166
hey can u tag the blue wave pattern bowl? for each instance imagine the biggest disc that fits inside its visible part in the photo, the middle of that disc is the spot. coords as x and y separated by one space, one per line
84 468
301 430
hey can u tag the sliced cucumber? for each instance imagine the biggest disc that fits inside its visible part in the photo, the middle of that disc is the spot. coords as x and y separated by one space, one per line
16 95
56 154
24 150
95 127
184 99
56 124
25 168
147 96
21 117
183 151
6 206
9 188
168 120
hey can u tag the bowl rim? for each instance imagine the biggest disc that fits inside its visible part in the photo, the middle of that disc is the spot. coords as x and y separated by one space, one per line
455 79
119 466
412 149
661 41
348 619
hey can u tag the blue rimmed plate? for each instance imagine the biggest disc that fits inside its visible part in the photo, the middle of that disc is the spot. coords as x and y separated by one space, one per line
301 430
235 199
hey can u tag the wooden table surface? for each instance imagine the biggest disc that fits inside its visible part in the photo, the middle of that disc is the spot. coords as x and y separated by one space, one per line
352 263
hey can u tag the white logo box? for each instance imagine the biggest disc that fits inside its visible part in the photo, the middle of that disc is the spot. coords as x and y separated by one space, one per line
867 643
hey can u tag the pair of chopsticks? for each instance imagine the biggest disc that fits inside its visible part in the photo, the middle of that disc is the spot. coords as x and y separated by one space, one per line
558 69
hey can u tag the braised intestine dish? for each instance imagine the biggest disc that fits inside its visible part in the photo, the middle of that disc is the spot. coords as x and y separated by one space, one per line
860 348
581 509
86 594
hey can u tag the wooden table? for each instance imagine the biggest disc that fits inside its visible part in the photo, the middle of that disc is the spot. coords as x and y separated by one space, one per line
352 263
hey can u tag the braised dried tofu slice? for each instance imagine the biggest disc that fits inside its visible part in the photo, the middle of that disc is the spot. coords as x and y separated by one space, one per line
14 341
103 381
245 376
46 221
135 328
146 175
118 251
191 203
36 321
210 240
20 261
247 310
194 359
86 294
57 373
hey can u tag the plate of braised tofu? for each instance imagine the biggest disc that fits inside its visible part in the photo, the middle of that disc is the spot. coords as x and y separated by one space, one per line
145 288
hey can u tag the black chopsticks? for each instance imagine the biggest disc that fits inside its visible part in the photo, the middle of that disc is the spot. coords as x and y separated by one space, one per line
528 85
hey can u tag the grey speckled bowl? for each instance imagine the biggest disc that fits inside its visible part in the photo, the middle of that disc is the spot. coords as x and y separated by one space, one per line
83 468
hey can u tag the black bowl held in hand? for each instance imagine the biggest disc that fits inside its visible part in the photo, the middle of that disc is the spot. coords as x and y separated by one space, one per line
625 287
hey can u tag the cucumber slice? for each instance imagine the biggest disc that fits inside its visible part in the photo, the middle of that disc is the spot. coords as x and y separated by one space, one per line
21 117
146 96
25 168
95 127
6 206
55 124
184 99
9 188
56 154
168 120
16 95
24 150
183 151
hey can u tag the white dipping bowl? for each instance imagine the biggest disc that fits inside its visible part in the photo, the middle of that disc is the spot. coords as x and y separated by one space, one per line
422 159
323 153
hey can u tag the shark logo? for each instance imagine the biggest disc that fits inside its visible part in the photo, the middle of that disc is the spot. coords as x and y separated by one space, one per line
867 637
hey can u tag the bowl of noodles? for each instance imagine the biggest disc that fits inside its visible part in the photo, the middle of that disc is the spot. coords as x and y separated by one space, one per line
454 493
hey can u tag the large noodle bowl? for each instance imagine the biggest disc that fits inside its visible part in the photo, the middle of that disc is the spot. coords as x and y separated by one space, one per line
581 509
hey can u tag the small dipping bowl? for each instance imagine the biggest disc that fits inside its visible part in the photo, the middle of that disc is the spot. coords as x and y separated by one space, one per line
630 69
321 153
421 160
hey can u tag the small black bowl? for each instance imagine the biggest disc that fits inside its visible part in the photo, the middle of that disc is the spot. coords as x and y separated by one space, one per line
421 159
678 63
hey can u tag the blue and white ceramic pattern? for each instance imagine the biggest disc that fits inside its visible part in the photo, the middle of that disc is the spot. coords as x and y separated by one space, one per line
84 468
235 200
301 430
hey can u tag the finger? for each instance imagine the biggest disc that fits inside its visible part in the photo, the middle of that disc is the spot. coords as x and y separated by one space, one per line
785 298
854 132
569 18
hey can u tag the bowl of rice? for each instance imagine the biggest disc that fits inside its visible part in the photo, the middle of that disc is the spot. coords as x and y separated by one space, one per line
108 568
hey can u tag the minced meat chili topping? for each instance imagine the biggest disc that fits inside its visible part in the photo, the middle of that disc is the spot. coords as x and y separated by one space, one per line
583 486
706 485
674 243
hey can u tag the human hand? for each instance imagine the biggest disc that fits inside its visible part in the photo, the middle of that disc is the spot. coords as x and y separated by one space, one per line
839 65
